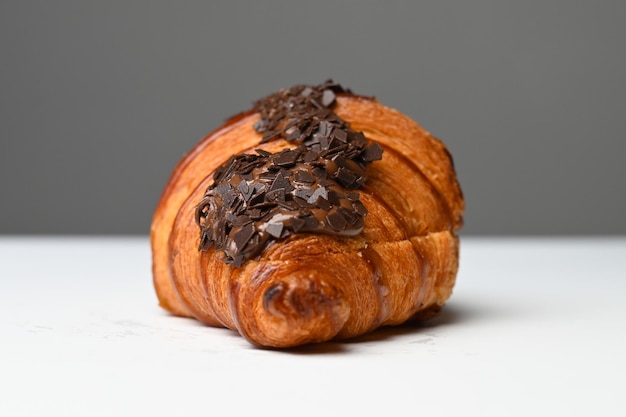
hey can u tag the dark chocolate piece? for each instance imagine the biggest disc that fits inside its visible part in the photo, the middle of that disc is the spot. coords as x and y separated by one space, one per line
328 98
258 198
303 177
336 220
242 236
373 152
275 229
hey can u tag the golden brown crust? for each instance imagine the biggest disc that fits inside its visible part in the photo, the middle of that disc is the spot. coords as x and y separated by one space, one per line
311 288
194 167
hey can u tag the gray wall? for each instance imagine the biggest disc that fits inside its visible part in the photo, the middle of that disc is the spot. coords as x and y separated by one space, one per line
99 101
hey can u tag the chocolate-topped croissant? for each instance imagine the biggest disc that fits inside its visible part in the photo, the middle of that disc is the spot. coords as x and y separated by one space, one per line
318 214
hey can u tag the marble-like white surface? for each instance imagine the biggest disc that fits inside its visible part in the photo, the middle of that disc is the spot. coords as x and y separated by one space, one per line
535 327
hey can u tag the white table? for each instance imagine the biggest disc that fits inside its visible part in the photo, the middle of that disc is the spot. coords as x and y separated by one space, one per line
535 327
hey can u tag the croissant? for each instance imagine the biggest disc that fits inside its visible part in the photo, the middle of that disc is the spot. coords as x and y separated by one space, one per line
319 214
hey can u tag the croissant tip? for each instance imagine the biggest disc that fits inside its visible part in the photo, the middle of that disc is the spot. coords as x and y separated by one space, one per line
299 310
286 301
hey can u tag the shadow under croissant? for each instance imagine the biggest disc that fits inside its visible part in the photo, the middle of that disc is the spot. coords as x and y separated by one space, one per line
452 314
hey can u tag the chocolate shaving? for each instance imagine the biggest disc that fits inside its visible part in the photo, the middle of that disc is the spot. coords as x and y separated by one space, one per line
373 152
336 220
275 229
262 197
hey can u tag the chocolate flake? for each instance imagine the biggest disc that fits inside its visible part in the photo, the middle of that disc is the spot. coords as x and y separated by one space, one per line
328 98
229 198
359 208
373 152
319 192
281 181
310 223
245 189
303 177
303 193
297 224
286 158
340 135
323 203
243 235
274 229
345 177
310 156
258 198
276 195
335 197
336 220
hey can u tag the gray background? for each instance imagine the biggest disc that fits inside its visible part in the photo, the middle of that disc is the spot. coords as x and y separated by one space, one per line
99 100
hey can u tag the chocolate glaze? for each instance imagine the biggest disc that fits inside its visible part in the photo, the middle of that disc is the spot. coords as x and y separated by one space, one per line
258 198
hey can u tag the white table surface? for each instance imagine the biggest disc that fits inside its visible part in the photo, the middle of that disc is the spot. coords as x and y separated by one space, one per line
535 327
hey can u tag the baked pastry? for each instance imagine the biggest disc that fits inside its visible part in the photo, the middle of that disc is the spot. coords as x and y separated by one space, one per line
318 214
